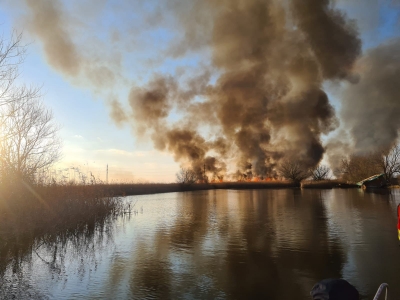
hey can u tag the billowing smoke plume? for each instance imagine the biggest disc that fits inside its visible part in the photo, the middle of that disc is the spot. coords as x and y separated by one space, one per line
267 103
259 98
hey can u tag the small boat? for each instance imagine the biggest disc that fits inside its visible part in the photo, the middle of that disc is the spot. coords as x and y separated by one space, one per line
373 182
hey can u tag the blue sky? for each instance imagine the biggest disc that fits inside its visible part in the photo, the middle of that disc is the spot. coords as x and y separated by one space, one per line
91 139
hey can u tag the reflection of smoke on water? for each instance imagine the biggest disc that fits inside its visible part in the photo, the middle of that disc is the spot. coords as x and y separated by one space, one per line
29 263
235 244
365 225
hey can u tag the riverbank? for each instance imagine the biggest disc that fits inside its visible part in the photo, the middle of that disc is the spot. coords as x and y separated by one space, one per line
327 184
156 188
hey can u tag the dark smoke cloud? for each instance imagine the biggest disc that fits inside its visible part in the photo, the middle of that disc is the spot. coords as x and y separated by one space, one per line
331 37
258 100
268 100
370 17
151 105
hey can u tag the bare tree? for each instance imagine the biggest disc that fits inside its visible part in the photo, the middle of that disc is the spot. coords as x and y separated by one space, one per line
293 171
358 167
28 138
186 176
389 162
12 54
321 172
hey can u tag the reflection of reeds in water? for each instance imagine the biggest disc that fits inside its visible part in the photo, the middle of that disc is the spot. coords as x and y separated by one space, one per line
81 246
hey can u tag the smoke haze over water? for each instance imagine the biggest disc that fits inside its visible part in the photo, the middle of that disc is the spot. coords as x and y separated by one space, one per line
259 98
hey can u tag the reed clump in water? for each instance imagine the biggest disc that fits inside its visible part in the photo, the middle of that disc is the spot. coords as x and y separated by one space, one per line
29 209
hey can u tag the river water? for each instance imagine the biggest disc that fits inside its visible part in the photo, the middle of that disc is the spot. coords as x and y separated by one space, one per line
223 244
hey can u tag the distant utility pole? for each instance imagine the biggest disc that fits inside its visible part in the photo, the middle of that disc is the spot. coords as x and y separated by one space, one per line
204 176
107 175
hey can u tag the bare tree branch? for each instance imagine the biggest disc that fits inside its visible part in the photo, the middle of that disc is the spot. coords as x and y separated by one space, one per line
12 54
358 167
186 176
28 138
321 172
389 162
293 171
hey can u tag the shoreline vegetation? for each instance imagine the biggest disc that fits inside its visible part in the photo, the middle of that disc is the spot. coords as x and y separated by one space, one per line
130 189
31 210
34 209
35 214
30 213
58 205
53 214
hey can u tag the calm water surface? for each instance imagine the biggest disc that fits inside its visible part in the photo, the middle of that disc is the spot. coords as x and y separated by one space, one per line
253 244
